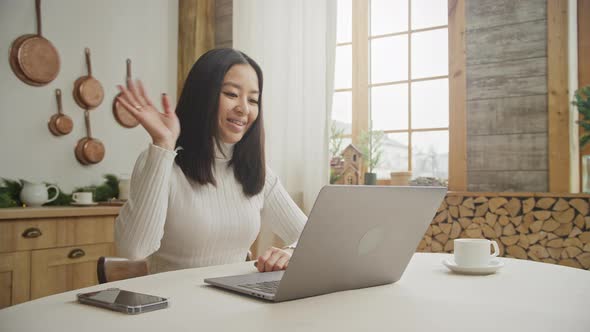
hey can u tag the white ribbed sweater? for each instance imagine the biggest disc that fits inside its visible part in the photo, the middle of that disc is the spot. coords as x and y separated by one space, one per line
181 224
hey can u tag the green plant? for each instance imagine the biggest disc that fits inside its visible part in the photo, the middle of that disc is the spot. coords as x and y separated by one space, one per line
582 102
334 177
371 145
10 192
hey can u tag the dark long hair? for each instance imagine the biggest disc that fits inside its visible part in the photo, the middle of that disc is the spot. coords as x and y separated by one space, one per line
197 111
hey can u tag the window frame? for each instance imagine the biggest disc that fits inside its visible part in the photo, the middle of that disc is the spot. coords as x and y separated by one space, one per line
457 174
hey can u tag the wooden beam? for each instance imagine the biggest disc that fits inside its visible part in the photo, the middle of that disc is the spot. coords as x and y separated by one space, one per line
196 34
558 100
583 62
457 97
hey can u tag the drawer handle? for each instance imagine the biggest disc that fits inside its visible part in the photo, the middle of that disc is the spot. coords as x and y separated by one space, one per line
32 233
76 253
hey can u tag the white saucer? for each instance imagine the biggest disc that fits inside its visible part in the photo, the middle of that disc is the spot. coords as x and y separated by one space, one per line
84 204
494 266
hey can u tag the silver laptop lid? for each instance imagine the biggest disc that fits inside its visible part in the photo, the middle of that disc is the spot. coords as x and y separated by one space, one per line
358 236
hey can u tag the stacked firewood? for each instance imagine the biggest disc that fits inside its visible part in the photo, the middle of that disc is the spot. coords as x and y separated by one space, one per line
547 229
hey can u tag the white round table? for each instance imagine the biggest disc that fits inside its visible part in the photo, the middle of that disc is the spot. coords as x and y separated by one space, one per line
522 296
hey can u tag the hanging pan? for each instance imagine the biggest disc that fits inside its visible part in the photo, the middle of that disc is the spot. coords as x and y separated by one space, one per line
89 150
33 59
60 124
88 92
122 115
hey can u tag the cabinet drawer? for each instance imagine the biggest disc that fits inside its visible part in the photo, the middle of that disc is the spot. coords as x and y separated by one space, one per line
18 235
59 270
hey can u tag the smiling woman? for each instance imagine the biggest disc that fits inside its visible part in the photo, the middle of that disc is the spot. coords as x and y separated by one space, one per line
204 205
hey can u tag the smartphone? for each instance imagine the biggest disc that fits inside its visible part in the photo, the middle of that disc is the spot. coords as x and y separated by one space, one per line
124 301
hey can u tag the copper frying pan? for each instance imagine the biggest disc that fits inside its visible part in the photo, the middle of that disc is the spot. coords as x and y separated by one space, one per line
88 92
60 124
122 115
89 150
33 58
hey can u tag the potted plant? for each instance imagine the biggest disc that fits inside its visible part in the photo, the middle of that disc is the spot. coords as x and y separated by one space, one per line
582 102
371 145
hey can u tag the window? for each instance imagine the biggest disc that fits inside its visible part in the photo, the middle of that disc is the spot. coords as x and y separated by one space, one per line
400 83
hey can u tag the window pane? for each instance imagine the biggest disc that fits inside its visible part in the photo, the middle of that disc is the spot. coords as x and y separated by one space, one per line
389 59
430 154
343 70
430 104
344 19
395 155
388 16
389 107
430 53
342 111
429 13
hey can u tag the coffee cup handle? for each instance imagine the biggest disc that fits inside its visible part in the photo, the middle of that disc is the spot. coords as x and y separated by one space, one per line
56 193
496 248
75 197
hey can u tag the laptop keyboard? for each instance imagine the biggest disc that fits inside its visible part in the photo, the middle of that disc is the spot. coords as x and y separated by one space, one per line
266 286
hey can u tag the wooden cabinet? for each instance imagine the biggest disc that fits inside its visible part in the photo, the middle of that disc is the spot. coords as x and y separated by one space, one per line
45 251
14 278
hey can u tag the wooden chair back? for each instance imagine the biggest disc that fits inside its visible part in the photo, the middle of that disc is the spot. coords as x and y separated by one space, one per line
115 268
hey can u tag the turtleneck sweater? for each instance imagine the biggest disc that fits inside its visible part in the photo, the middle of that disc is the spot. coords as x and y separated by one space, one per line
178 223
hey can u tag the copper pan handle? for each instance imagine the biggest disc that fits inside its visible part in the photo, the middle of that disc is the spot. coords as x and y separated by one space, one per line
38 12
87 120
58 97
128 69
88 63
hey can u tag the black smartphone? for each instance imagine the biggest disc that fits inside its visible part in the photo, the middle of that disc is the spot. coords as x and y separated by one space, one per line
123 301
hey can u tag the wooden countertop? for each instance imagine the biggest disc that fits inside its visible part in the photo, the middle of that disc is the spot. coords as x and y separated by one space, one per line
57 211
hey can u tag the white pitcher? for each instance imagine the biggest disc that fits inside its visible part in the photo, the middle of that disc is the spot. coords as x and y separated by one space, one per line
35 194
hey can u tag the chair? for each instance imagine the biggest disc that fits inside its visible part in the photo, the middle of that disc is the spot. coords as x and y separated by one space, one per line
115 268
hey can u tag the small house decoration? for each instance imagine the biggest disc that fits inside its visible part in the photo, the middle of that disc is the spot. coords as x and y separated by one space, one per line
347 167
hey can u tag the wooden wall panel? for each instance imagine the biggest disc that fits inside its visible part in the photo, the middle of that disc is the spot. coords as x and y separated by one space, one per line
498 181
486 13
506 95
457 97
558 98
223 23
507 79
518 152
508 43
513 115
195 34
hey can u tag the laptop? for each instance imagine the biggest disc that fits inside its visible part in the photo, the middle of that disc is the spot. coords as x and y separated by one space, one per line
355 237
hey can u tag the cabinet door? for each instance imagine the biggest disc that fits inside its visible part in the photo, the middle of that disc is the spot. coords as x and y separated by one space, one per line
59 270
15 275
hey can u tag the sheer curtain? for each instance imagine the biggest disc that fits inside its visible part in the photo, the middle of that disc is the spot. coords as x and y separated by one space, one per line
294 43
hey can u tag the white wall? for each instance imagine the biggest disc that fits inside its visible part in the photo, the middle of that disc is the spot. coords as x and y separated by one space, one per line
144 30
573 86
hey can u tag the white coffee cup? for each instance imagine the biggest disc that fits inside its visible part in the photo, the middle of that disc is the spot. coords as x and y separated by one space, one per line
474 252
82 197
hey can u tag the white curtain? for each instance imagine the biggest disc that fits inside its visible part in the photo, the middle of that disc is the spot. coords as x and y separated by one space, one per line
294 43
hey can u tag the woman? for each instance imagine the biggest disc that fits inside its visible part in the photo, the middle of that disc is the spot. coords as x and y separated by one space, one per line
201 190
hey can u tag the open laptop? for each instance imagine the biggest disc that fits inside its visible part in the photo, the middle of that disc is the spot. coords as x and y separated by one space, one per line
355 237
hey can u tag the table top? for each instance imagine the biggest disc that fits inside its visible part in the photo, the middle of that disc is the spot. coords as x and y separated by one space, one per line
57 211
522 296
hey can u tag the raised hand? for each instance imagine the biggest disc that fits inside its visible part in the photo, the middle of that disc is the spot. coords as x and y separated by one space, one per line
164 128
